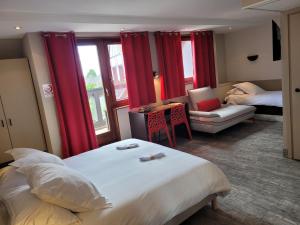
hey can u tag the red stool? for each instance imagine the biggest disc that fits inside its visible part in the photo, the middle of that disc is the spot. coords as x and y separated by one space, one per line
178 116
157 122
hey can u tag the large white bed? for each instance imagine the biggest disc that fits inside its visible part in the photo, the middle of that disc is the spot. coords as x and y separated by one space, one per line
146 193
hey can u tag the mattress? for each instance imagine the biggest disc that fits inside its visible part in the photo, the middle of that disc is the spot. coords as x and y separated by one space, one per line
148 193
268 98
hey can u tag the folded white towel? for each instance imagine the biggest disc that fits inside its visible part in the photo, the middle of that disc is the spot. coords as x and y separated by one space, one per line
129 146
152 157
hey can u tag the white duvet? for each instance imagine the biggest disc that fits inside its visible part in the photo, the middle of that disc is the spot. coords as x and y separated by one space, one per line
146 193
268 98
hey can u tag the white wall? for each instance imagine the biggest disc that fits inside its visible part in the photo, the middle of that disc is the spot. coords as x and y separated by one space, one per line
35 52
220 56
153 52
123 121
254 40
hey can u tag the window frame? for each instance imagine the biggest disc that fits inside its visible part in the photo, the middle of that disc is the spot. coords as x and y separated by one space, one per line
102 44
106 42
187 37
113 134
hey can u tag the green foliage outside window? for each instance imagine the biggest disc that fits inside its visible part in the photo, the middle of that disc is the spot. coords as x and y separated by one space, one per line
92 80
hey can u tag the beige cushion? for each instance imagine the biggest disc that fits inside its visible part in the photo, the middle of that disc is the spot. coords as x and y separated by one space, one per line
200 94
249 88
235 91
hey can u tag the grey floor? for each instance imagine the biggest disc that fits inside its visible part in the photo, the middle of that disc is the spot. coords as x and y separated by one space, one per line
265 185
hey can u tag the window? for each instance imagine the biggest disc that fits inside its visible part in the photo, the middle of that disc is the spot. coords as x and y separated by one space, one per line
89 60
102 65
118 72
187 57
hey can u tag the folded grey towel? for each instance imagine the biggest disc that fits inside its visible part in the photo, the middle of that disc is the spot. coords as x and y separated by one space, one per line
152 157
129 146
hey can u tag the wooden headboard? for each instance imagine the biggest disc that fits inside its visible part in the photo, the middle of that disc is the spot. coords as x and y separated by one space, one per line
269 85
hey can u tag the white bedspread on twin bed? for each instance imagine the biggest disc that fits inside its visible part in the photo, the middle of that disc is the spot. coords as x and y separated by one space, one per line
268 98
146 193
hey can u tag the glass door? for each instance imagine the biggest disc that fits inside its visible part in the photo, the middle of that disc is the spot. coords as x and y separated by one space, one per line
99 93
117 73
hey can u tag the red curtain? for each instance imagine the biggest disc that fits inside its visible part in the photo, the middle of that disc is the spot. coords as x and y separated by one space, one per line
203 59
138 68
75 119
169 54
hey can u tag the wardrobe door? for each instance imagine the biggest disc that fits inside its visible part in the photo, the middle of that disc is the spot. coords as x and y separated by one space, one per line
19 104
295 79
5 143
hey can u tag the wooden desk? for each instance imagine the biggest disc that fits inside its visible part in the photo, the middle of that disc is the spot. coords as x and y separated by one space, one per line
139 120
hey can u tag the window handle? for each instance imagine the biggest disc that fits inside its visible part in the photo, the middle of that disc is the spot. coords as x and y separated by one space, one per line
2 123
10 122
107 92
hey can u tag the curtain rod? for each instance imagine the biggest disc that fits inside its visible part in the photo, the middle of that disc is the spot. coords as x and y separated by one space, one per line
133 34
56 35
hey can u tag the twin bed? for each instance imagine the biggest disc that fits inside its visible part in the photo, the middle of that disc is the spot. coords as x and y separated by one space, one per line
161 191
266 102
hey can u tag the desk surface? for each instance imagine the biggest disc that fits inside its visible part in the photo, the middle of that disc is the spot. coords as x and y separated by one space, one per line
155 108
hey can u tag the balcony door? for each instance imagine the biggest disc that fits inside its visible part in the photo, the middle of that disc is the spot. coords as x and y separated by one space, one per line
104 75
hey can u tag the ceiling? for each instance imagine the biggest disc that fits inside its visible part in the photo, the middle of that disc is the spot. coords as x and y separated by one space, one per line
129 15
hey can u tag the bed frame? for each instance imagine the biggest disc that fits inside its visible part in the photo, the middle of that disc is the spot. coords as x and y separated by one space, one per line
268 110
211 199
269 85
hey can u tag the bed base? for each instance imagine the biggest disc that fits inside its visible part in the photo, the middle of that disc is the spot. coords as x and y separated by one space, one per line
211 199
268 110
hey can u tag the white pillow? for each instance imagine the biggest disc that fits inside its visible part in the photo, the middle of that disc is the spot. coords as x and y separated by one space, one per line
249 88
24 208
64 187
25 157
18 153
10 179
15 191
235 91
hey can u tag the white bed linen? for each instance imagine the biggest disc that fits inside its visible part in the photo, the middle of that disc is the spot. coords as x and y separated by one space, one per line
268 98
146 193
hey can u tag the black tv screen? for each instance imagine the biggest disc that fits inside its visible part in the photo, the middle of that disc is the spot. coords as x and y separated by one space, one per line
276 41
